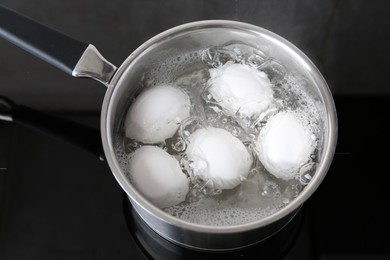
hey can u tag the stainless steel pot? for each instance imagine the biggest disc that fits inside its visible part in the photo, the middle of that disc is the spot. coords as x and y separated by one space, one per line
83 60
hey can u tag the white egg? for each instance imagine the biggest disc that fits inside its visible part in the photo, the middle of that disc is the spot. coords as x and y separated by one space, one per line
156 113
240 89
284 144
217 155
158 176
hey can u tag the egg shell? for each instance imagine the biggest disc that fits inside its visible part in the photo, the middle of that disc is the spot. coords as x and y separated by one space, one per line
240 89
156 113
158 176
284 144
218 156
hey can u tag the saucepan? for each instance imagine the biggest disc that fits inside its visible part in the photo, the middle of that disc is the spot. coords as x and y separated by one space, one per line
211 40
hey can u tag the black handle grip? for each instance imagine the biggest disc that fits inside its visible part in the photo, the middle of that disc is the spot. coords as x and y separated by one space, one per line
82 136
43 42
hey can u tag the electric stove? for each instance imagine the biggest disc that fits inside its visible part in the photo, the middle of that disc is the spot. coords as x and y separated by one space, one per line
59 202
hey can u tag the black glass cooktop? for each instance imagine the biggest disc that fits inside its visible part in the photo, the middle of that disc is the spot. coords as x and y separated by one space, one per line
59 202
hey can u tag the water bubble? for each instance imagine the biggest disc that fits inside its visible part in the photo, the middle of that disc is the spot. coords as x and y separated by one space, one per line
217 192
255 61
212 113
198 165
184 165
306 172
259 125
210 57
244 121
257 58
270 190
226 55
195 194
252 136
201 189
179 145
242 178
230 124
217 56
264 116
224 120
189 126
131 145
207 97
186 134
238 53
274 70
207 188
235 131
262 51
305 178
292 190
253 173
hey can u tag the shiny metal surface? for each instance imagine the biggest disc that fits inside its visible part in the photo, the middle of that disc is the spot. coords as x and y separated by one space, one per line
4 117
202 35
93 65
6 106
212 238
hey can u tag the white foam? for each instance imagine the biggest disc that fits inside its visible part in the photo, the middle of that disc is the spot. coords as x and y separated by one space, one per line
218 156
157 175
240 89
156 113
285 144
260 194
170 67
210 212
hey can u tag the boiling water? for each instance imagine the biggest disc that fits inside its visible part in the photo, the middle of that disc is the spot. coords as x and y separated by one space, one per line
260 194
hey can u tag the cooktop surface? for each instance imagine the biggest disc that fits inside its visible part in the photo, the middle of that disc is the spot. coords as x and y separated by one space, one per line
59 202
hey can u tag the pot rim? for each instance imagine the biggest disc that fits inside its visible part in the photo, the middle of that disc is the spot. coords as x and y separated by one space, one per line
136 197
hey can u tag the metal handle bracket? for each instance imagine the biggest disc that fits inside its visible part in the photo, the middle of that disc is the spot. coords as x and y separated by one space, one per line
93 65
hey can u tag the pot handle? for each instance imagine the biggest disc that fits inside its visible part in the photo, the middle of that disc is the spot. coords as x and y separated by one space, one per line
71 56
82 136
